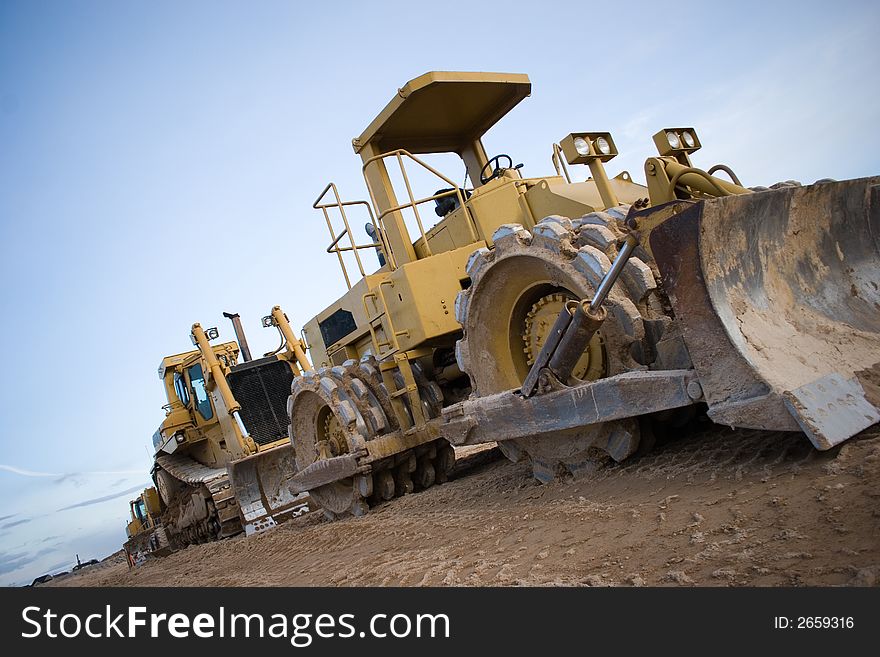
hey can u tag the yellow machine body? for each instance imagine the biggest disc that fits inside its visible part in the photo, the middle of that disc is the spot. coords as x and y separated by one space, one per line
434 345
222 413
146 533
144 512
461 308
409 303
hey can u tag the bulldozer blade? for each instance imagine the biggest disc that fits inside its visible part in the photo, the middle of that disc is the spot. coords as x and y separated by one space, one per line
262 487
777 297
830 408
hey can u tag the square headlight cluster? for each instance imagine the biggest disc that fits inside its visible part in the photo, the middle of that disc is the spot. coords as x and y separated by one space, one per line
585 147
671 141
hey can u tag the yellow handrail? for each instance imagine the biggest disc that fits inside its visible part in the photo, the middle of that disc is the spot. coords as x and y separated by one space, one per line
399 155
334 245
559 159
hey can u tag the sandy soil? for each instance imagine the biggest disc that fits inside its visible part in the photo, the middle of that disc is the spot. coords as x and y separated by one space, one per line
718 508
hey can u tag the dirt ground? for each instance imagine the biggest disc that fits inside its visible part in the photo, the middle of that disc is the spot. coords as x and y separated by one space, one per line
718 508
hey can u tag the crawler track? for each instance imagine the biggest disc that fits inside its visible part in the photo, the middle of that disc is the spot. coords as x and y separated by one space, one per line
185 521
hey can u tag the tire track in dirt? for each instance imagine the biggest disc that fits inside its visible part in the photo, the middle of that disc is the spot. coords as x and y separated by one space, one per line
720 507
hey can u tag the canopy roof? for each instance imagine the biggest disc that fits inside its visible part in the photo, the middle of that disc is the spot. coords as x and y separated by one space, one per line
443 111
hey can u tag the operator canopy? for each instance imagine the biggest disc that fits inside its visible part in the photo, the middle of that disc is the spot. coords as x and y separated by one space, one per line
442 111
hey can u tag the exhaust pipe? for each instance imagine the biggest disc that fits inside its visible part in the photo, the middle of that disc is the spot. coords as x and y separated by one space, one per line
239 335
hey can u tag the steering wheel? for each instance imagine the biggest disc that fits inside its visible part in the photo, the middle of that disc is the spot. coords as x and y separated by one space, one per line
497 169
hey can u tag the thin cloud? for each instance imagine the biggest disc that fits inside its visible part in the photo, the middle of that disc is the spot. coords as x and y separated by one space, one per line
110 472
61 476
27 473
12 562
104 498
11 515
16 523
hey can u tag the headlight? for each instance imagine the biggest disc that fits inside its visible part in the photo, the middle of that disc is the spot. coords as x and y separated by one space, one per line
603 145
677 142
582 146
591 148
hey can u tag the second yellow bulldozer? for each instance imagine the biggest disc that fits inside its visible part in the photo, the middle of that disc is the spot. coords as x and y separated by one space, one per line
223 419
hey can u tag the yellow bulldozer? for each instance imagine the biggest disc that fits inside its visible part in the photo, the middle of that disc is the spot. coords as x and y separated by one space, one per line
222 412
145 532
564 318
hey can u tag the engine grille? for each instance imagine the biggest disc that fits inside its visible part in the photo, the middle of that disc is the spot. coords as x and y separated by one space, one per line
262 387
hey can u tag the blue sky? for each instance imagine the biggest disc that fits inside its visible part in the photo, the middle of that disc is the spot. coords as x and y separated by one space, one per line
158 162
